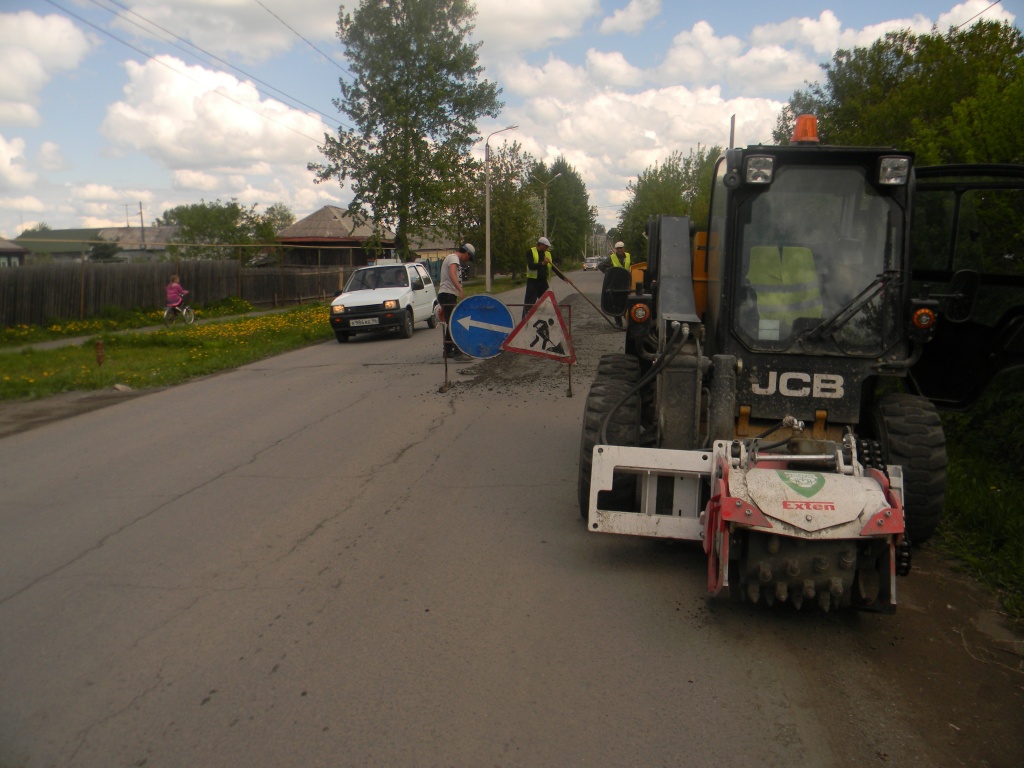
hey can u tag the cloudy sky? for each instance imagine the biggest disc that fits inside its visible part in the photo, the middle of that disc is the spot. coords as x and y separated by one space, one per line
112 106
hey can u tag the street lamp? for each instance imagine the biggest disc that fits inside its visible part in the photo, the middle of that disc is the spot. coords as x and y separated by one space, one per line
487 204
545 185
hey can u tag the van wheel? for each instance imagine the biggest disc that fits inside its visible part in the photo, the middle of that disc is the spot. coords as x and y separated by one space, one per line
407 325
341 336
432 322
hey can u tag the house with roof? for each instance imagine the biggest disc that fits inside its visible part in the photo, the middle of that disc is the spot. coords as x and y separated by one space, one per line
12 254
122 243
332 237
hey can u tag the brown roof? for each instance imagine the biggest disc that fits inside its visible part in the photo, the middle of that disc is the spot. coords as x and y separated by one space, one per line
9 247
132 238
330 223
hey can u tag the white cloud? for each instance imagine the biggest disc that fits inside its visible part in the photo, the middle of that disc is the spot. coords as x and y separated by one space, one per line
49 156
234 28
26 204
524 25
611 68
189 118
198 180
963 12
13 172
33 49
98 193
631 19
556 78
699 56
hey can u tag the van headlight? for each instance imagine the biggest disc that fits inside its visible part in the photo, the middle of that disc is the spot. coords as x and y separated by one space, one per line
391 304
337 309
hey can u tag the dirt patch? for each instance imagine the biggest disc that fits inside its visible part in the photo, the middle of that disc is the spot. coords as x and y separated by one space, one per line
22 415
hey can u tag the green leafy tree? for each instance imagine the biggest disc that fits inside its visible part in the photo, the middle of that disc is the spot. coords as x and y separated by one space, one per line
104 251
681 186
414 100
951 98
515 211
221 230
570 216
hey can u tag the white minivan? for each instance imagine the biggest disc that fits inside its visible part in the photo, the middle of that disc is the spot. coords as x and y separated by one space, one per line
386 296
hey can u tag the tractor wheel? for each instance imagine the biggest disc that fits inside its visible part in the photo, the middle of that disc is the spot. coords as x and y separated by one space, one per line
909 431
621 367
623 429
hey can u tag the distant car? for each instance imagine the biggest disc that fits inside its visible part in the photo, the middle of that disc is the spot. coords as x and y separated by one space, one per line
392 296
591 262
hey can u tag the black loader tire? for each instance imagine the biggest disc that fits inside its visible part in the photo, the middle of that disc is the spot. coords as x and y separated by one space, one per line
609 387
909 431
620 367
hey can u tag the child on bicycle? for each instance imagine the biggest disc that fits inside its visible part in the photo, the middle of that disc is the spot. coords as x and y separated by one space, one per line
175 294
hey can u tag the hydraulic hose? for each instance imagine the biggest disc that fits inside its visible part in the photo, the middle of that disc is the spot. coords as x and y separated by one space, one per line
680 333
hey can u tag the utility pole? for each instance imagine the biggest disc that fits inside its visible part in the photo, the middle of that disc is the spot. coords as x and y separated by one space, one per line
142 224
545 185
487 205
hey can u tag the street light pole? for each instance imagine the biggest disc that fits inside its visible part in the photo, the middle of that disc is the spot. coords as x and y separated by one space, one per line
545 185
487 204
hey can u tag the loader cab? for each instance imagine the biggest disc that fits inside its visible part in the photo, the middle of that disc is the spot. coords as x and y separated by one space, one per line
807 252
967 243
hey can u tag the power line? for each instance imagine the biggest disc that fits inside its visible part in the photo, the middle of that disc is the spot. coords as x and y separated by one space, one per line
216 58
307 42
178 72
979 14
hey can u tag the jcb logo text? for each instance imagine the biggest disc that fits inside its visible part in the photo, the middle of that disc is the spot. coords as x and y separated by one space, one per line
796 384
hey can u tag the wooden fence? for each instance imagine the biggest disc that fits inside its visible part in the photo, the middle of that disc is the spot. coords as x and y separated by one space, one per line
38 295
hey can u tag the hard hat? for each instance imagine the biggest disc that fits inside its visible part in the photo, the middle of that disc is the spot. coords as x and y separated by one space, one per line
620 244
544 241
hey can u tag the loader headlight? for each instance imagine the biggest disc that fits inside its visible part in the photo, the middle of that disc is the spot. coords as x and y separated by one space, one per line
760 169
639 313
894 171
924 318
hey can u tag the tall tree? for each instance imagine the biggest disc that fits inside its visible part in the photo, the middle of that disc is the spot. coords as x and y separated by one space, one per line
220 230
570 216
414 100
515 215
955 97
681 186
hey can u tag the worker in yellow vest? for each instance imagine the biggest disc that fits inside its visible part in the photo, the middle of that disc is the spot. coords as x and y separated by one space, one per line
620 260
538 270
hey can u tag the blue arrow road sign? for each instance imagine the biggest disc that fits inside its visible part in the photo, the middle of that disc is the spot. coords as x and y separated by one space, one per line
480 324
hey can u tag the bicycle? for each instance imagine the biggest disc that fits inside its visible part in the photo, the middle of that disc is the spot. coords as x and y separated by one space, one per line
188 315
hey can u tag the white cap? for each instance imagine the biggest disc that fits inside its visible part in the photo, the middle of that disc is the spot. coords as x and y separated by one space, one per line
620 244
468 248
544 241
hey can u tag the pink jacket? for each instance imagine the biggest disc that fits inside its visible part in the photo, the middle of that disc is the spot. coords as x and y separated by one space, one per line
175 293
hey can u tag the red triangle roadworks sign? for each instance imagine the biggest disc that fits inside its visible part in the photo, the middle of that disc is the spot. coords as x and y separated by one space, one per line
542 333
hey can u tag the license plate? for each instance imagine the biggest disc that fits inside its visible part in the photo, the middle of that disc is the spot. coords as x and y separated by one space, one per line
365 321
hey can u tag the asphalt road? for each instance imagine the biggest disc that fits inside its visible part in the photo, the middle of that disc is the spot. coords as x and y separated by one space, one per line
322 560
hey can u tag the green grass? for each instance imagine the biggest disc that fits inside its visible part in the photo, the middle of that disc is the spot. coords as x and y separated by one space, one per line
109 320
160 358
983 526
